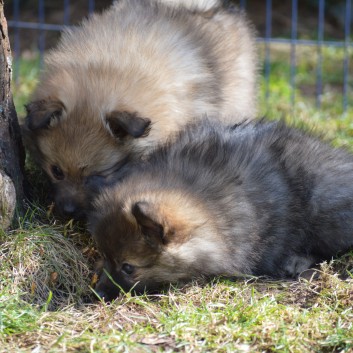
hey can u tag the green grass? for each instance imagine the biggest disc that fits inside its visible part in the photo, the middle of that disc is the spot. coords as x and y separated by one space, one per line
329 120
223 316
26 80
46 267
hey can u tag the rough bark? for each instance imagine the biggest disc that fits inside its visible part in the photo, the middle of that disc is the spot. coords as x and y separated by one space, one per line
11 148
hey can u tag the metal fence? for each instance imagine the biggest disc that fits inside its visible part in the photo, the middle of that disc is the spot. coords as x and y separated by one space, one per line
292 39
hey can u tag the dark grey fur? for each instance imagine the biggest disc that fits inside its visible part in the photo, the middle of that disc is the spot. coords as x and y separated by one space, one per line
281 195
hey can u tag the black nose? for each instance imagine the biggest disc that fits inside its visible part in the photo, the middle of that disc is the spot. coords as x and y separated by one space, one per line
69 209
101 294
106 296
106 291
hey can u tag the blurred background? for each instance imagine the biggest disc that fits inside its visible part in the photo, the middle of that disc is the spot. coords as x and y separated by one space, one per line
305 46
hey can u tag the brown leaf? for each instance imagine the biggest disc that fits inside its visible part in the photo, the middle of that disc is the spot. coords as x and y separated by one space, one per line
33 288
53 277
94 280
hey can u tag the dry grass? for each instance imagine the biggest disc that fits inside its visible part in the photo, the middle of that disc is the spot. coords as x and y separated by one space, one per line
45 276
47 267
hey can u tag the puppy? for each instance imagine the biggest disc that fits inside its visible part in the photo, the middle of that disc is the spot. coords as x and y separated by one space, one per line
256 199
126 79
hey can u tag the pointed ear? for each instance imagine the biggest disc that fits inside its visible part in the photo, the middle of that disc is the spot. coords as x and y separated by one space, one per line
125 123
147 218
41 114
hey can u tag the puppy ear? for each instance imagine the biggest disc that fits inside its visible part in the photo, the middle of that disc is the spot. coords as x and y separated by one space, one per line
42 114
125 123
147 218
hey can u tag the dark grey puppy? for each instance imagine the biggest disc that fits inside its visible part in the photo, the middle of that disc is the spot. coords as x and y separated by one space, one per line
259 198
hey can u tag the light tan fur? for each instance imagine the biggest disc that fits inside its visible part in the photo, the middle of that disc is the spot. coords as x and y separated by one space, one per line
115 61
168 64
199 5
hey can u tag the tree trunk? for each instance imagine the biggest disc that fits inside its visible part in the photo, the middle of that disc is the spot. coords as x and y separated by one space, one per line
11 148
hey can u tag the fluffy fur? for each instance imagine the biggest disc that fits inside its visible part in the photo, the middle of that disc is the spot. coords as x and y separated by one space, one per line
126 79
259 198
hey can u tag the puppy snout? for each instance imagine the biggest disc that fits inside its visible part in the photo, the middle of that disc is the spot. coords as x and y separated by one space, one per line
69 209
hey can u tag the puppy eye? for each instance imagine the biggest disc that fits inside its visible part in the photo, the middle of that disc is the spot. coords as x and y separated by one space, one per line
128 269
57 172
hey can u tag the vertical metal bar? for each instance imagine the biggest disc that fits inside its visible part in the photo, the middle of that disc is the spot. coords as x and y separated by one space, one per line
346 53
320 38
91 6
268 49
17 43
293 49
41 41
66 12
